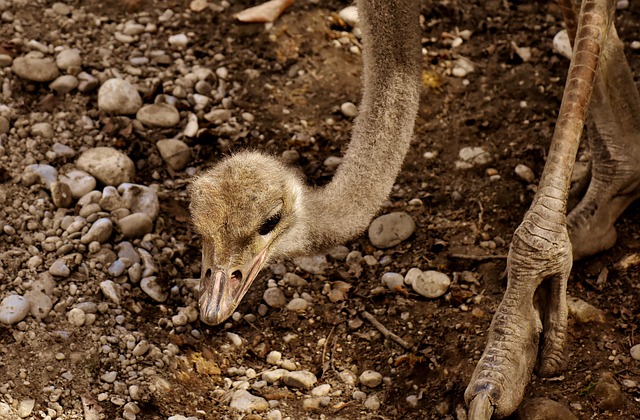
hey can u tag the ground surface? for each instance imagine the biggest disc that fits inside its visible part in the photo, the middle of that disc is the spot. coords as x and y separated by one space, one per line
292 78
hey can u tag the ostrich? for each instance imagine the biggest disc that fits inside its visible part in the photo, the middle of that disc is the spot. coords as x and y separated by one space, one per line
250 207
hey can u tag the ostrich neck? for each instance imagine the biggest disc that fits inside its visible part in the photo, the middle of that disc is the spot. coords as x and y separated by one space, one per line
382 131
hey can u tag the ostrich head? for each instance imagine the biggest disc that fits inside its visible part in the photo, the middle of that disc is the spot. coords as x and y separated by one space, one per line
248 209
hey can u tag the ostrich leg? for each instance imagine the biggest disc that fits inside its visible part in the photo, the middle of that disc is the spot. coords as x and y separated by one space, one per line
534 306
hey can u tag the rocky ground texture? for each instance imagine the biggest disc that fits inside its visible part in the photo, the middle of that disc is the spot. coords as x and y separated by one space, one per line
107 109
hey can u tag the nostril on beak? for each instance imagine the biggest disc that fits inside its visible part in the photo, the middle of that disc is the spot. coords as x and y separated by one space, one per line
208 273
237 275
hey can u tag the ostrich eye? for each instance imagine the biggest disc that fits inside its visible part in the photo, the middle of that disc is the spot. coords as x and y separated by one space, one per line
269 224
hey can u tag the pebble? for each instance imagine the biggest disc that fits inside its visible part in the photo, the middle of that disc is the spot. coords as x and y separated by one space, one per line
608 394
348 377
525 173
118 96
179 41
35 69
635 352
68 58
140 199
372 403
316 264
349 109
175 152
244 401
61 195
107 165
299 379
370 378
59 269
5 60
393 281
76 317
42 129
462 67
100 231
390 229
274 357
64 84
80 182
111 199
339 252
135 225
350 15
150 286
117 268
298 305
110 291
321 390
584 312
273 376
431 284
13 309
561 44
274 297
39 303
46 173
544 409
88 83
25 408
475 156
158 115
293 280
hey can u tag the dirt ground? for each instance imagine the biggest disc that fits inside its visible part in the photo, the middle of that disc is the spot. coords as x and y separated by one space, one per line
506 106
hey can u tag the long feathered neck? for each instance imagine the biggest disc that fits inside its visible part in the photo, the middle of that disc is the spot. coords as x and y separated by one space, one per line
382 131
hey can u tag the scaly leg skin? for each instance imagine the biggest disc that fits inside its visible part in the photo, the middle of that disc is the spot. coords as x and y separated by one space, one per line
530 323
614 125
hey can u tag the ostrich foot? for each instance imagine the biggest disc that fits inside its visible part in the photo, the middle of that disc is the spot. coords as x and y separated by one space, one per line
614 139
534 308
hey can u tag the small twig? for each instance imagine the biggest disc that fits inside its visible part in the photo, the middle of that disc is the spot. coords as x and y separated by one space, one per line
481 211
478 257
372 319
324 352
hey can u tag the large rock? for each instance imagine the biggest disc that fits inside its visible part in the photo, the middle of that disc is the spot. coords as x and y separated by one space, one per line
391 229
175 152
118 96
35 69
108 165
158 115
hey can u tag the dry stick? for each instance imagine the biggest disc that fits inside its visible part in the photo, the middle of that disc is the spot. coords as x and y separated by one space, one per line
324 351
372 319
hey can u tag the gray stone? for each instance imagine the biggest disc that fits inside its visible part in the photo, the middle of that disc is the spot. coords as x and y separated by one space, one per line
584 312
5 60
110 291
316 264
321 390
150 286
68 58
350 15
100 231
89 83
25 408
544 409
61 195
273 376
59 268
175 152
46 173
476 156
372 403
35 69
76 317
299 379
525 173
39 303
136 225
349 109
118 96
158 115
140 199
393 281
111 199
42 129
298 305
274 297
13 309
391 229
608 394
244 401
370 378
80 183
431 284
635 352
339 252
108 165
64 84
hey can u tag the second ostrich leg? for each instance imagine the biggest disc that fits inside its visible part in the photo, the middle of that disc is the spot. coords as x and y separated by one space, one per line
534 306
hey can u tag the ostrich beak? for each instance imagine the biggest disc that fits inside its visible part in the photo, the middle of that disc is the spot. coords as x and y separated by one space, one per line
222 289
